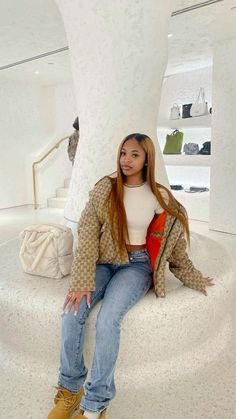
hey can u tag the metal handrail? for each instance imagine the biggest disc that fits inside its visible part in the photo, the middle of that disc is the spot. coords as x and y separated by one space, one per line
39 161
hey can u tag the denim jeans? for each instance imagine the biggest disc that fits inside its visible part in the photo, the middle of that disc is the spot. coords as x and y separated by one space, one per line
120 287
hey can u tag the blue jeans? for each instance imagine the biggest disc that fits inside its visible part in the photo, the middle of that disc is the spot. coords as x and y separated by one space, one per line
120 287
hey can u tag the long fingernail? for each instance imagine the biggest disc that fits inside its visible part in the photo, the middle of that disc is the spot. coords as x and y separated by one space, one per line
75 313
88 305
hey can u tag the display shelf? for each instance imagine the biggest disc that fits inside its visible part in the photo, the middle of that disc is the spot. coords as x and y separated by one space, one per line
195 122
196 204
187 160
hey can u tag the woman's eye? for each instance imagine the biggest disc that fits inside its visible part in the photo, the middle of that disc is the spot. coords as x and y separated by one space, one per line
123 153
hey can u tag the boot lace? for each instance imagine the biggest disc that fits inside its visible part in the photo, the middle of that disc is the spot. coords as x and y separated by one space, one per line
68 400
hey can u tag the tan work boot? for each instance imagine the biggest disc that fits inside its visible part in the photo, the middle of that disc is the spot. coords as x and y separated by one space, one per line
65 403
80 415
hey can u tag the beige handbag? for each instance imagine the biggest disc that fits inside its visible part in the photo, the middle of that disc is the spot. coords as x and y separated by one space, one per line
46 250
200 107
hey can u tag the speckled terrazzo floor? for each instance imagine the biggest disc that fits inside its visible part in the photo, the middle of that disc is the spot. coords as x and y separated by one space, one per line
197 384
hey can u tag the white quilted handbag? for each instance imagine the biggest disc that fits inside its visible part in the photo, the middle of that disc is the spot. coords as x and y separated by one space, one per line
46 250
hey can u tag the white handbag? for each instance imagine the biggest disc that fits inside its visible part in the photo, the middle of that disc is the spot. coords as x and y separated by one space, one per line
175 111
200 107
47 250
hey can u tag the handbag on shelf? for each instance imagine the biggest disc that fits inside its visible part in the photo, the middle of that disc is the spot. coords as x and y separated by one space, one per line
191 148
46 250
206 149
176 187
200 107
175 111
194 189
186 110
174 142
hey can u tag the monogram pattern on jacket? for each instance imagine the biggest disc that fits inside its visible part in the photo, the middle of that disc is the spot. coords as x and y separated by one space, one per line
96 245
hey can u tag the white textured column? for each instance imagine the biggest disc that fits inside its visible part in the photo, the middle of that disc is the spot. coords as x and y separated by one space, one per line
118 54
223 171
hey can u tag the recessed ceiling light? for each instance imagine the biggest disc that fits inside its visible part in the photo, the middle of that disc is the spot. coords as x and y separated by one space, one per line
170 35
36 72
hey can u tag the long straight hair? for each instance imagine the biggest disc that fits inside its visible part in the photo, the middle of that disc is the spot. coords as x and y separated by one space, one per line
115 199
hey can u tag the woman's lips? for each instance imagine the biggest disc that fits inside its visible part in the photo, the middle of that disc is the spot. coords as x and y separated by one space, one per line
126 167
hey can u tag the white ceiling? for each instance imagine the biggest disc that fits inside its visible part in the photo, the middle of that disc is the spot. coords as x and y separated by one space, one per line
196 32
29 28
32 27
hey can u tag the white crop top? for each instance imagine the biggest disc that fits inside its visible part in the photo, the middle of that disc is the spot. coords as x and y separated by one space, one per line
140 206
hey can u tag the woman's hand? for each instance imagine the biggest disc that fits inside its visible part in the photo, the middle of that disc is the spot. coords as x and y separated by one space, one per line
73 298
208 283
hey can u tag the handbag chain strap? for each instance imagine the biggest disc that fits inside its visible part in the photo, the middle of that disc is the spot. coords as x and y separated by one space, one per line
201 96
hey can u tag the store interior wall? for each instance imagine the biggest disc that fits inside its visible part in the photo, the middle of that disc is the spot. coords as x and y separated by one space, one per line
33 119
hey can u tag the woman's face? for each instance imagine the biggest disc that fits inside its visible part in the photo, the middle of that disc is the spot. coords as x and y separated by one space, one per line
132 159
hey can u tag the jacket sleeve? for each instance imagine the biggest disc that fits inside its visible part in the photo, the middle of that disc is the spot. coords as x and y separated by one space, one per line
182 267
87 253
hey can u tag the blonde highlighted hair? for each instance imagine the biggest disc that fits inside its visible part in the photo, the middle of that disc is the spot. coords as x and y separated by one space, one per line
115 202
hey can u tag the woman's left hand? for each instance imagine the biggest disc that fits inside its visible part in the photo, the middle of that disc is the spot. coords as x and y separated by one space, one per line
208 283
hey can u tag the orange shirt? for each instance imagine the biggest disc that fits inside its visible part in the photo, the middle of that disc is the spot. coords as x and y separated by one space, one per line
154 236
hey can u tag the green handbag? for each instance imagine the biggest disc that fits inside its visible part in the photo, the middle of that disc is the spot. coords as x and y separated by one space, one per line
174 142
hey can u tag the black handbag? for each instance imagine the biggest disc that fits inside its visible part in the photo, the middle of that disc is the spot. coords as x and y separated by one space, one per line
186 110
206 149
176 187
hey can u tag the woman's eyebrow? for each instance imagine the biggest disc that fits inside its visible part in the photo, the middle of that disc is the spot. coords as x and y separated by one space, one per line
123 149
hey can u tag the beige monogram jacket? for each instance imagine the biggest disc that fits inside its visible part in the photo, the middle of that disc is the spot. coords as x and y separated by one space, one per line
96 245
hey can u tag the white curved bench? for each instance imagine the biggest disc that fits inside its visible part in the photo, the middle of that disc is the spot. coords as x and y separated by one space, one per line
162 340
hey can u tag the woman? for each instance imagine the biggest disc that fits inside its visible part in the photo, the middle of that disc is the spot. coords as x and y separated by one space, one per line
130 228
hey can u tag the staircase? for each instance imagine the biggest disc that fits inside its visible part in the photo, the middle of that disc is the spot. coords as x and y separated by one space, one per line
61 196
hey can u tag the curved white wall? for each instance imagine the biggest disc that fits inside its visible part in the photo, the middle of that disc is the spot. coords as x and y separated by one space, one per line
118 55
223 175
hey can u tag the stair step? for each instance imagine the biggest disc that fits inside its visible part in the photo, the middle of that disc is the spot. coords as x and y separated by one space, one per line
67 183
62 192
57 202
